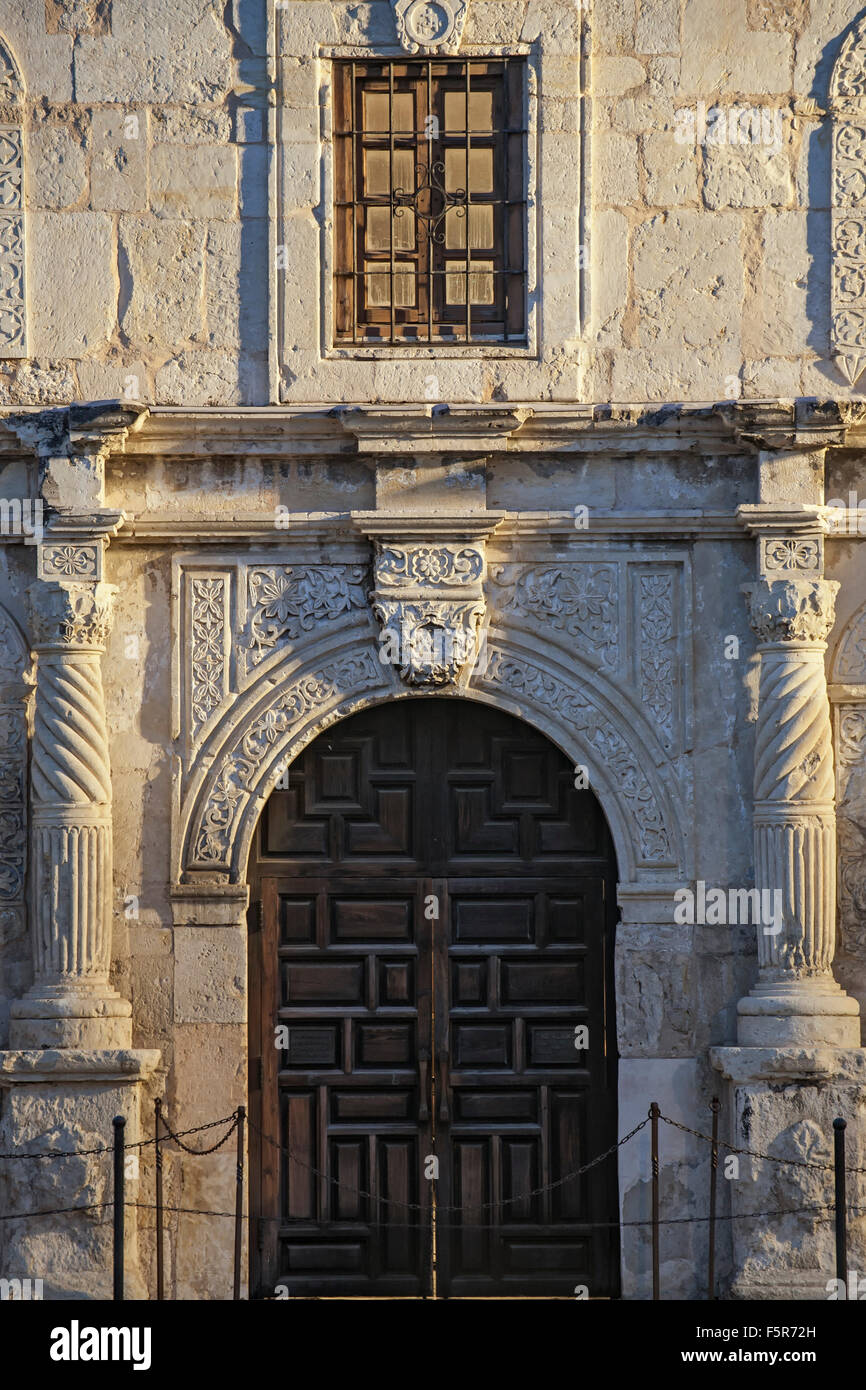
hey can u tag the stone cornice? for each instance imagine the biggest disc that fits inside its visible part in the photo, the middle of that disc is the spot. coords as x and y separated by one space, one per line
176 432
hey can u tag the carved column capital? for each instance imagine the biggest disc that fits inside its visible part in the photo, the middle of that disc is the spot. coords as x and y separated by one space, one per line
792 609
68 615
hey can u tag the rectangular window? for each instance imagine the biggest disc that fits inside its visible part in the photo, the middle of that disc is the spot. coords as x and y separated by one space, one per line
430 208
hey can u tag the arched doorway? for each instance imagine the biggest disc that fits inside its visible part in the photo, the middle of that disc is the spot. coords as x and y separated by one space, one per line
432 920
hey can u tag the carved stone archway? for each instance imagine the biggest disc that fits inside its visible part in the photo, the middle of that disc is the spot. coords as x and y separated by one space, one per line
600 727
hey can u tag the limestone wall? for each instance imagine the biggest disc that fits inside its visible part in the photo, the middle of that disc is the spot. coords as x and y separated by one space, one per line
680 201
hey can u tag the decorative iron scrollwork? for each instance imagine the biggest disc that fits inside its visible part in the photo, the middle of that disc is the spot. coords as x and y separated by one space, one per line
430 178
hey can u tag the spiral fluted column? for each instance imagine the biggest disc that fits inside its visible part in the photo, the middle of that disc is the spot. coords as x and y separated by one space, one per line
797 998
71 1002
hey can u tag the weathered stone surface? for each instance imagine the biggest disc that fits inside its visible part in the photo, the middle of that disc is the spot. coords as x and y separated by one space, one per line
72 283
193 180
209 975
161 280
176 50
687 280
118 174
58 168
747 176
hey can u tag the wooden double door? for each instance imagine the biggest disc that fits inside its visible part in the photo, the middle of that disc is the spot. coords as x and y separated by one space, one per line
431 928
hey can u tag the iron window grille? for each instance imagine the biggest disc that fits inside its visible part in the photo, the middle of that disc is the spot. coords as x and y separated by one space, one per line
430 207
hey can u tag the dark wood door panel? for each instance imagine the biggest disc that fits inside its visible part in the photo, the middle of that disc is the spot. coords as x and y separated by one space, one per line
436 922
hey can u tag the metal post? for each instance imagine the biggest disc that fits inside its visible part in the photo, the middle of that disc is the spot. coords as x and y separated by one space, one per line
160 1290
714 1171
119 1195
654 1116
239 1200
839 1127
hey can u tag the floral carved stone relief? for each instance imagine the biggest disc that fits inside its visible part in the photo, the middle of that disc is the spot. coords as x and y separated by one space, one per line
851 824
578 600
14 660
13 336
848 202
288 600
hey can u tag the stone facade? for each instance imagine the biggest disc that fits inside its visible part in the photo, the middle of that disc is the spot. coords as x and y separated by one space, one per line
640 531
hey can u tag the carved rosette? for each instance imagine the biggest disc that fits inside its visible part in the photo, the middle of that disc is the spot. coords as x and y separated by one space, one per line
848 194
429 601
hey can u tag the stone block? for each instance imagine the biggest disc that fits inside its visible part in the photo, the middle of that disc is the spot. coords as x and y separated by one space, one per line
747 176
615 169
57 168
688 280
105 381
236 279
209 975
194 180
613 26
792 309
166 51
305 24
613 77
658 27
199 378
679 373
73 283
671 170
609 281
161 268
181 125
118 171
738 59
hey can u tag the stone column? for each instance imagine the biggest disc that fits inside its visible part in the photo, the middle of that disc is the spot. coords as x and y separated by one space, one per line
796 999
798 1061
71 1003
71 1067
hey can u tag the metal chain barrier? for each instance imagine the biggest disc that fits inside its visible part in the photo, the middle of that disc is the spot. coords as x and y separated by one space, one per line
236 1121
753 1153
422 1206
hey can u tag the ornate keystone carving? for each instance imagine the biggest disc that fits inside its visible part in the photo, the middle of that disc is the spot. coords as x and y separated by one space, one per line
429 601
792 610
430 26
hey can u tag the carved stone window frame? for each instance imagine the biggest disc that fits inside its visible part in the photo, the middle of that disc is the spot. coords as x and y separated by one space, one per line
401 351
